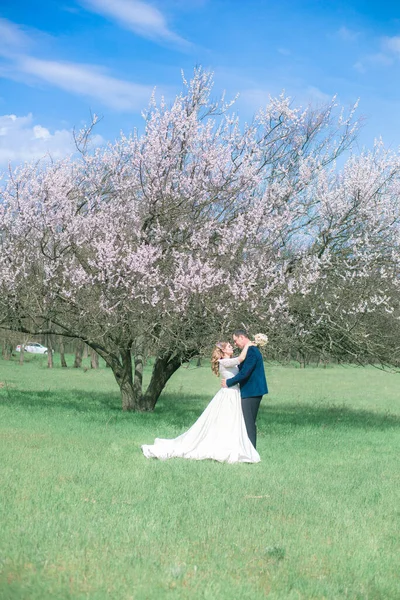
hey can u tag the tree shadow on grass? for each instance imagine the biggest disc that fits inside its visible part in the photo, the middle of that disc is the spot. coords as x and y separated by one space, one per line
281 417
71 400
180 413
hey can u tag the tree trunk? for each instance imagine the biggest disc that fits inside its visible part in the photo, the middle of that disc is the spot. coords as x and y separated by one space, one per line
49 352
94 359
131 386
138 376
78 354
121 366
85 351
4 350
62 353
21 356
123 375
164 368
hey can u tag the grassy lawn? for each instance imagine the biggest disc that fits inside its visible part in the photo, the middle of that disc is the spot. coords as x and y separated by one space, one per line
84 515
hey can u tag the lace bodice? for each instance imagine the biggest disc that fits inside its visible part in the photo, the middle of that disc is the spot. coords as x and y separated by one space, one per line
228 368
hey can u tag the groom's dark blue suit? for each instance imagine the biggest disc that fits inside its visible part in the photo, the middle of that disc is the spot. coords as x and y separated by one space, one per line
253 385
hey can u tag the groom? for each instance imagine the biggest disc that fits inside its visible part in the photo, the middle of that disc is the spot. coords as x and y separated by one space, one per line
253 383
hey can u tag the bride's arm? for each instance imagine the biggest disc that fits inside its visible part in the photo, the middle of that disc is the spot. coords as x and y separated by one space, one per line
233 362
243 353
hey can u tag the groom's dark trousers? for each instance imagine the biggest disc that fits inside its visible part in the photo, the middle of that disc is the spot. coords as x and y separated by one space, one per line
250 408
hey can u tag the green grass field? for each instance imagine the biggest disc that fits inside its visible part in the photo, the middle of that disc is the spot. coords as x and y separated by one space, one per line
84 515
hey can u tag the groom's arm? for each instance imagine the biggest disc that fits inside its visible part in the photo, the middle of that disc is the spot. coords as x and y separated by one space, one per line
248 367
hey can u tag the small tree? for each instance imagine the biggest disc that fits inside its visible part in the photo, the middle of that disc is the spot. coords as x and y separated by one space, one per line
94 359
62 352
78 354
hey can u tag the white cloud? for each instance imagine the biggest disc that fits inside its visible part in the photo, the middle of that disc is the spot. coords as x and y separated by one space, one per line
379 59
389 52
89 81
12 39
392 44
347 35
254 98
360 67
41 133
140 17
21 140
316 96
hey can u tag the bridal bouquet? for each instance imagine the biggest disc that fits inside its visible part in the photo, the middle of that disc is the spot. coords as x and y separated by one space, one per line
261 339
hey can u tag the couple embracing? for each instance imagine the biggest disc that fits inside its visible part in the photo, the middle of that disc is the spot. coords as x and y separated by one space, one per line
226 430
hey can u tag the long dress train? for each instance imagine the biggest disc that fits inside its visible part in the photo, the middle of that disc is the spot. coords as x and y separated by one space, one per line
219 433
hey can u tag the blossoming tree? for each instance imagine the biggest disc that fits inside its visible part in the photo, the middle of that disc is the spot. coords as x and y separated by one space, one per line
353 308
165 240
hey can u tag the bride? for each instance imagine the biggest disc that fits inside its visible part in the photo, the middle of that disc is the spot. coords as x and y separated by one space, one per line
220 431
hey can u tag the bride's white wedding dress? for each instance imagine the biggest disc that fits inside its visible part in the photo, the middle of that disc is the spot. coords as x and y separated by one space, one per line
219 433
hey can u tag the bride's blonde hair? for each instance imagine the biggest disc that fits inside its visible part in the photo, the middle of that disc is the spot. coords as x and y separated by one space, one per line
218 353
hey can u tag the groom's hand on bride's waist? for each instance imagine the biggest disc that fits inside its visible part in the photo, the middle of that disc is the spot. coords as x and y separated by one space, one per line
223 383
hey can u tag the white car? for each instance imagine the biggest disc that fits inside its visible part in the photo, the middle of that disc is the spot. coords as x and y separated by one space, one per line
33 347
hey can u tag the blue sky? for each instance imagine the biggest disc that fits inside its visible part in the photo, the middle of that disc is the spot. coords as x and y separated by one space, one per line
61 59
